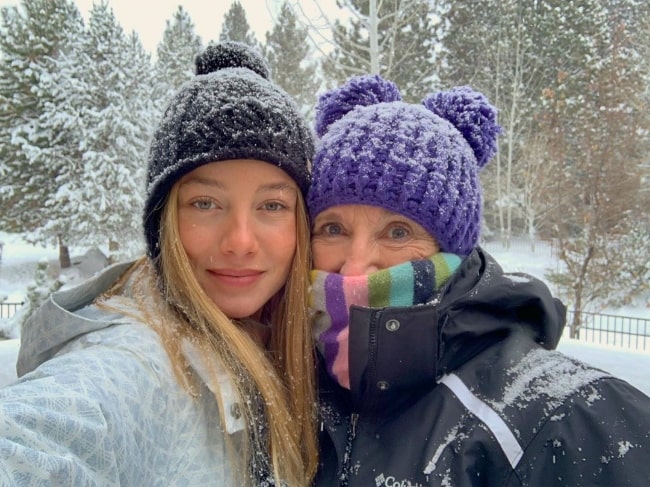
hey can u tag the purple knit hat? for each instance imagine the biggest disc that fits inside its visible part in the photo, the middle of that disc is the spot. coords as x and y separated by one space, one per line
421 161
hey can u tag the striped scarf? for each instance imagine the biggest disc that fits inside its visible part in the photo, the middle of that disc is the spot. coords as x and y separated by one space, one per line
411 283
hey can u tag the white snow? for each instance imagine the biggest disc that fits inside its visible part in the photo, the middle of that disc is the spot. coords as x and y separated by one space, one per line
8 354
543 373
19 261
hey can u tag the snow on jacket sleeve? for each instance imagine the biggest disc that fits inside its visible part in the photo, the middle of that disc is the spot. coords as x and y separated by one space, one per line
600 436
108 413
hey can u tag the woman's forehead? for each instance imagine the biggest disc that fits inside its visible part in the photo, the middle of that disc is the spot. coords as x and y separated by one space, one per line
366 212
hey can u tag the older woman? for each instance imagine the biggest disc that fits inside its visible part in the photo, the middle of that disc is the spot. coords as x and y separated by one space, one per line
438 368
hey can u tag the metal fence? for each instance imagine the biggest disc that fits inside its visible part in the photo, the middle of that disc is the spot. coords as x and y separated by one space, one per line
619 331
7 310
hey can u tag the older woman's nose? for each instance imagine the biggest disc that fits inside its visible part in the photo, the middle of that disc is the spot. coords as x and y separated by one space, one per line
360 259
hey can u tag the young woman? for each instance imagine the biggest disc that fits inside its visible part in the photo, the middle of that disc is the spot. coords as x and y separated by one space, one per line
438 368
193 365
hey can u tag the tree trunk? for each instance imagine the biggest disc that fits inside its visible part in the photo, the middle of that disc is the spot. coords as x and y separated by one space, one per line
113 247
373 34
579 290
64 255
575 323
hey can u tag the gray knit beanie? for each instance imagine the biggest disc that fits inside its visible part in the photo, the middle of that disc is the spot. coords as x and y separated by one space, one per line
230 110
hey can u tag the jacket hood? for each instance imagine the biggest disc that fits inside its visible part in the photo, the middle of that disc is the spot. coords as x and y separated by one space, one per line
482 305
57 322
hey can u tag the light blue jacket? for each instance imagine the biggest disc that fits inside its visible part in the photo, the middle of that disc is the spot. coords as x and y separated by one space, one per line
97 403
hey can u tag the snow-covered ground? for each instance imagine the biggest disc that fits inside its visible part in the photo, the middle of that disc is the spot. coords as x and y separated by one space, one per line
8 353
19 261
17 265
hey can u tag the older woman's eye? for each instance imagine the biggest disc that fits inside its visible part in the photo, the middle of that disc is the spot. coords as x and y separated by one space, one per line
330 230
398 233
334 229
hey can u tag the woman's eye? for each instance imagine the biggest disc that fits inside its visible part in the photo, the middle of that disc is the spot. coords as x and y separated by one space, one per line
204 204
328 230
332 229
398 233
274 206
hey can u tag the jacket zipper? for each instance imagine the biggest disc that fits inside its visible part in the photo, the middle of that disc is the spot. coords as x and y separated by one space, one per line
344 475
347 455
372 347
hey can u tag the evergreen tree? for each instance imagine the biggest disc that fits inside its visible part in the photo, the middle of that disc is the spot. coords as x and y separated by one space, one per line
393 38
103 189
287 52
142 116
33 38
235 26
175 56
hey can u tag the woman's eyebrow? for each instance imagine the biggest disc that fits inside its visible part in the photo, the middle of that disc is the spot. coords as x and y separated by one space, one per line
215 183
205 181
282 186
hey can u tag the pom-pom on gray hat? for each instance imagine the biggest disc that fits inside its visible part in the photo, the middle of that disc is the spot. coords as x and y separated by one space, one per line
230 110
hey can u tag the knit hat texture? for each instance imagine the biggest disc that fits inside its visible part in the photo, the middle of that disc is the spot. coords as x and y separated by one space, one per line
229 110
421 161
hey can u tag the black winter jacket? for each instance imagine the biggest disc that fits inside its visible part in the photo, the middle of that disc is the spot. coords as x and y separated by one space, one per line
468 392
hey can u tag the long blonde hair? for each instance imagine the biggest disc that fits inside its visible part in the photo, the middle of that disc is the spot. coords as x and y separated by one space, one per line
277 383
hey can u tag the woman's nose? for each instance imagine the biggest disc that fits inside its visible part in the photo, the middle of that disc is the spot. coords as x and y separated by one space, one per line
238 235
361 258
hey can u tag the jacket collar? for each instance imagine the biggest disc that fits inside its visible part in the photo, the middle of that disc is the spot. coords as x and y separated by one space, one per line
392 356
398 354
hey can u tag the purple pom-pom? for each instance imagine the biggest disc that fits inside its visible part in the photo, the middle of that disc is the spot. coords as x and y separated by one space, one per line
231 54
474 117
358 91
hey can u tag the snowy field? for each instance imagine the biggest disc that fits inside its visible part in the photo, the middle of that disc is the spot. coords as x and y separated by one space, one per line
19 262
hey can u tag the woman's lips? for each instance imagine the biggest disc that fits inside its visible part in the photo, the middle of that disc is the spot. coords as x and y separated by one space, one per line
236 277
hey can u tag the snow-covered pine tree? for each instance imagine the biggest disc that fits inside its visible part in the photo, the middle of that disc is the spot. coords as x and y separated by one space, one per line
287 52
142 116
175 56
235 26
394 38
104 190
34 36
